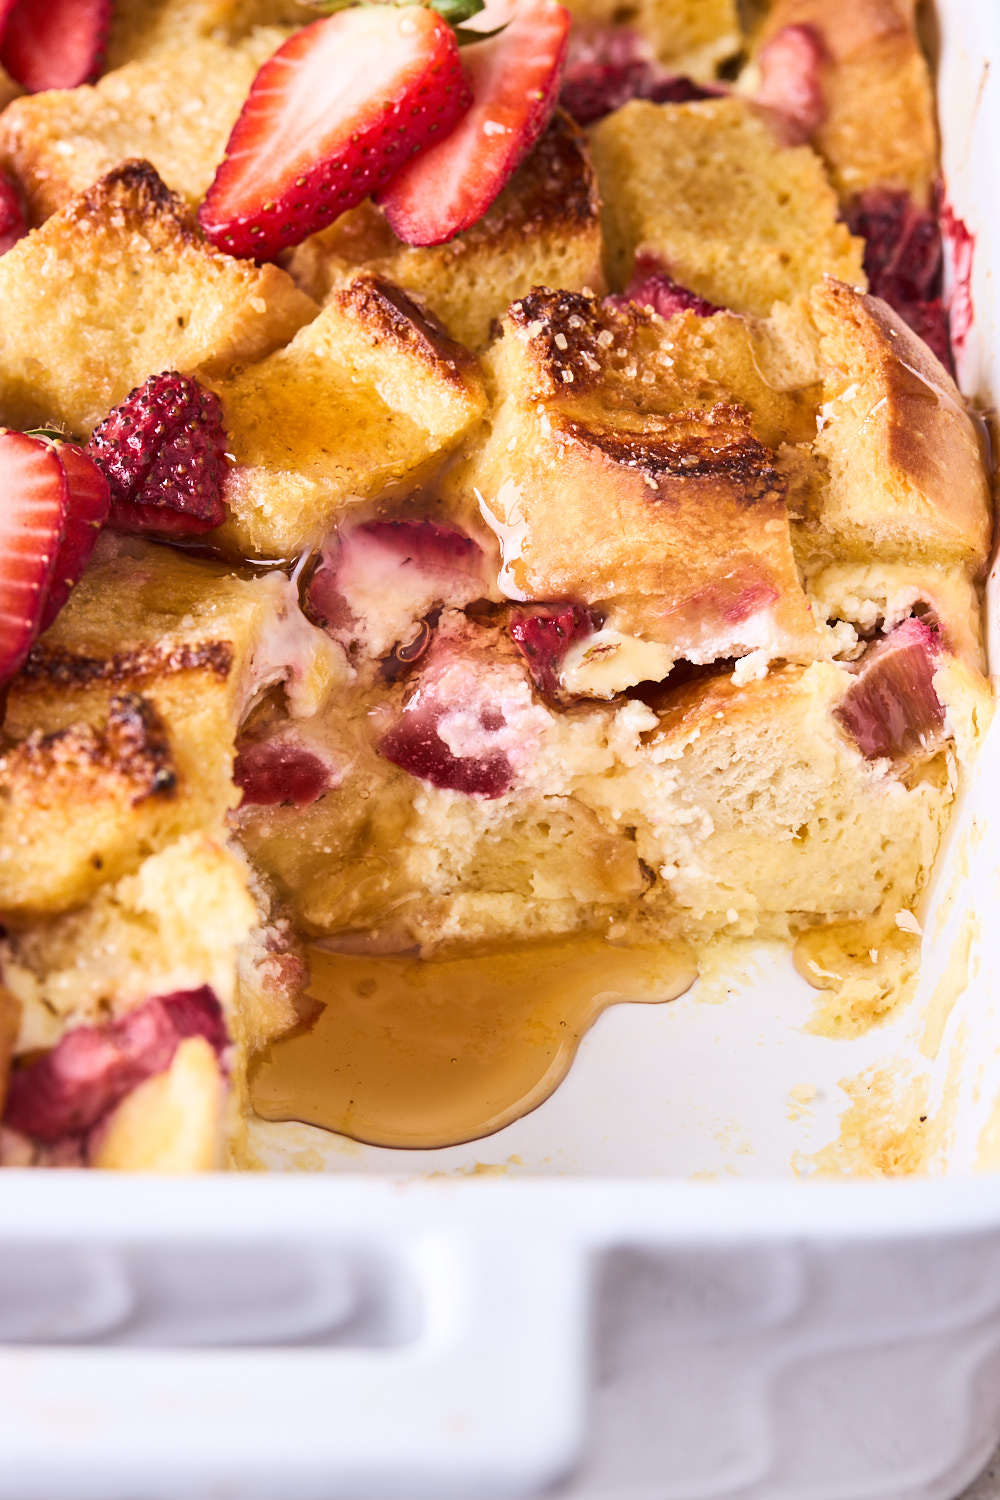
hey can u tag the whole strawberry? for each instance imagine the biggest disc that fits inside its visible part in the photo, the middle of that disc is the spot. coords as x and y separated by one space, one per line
163 453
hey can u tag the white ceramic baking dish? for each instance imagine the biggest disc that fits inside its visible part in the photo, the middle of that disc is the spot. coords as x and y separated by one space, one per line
584 1320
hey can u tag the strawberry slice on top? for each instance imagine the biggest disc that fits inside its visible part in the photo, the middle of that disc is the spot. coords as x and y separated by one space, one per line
56 45
88 503
34 503
515 78
330 117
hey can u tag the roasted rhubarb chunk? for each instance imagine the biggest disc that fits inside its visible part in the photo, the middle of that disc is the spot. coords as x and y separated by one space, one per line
468 723
70 1090
628 470
891 708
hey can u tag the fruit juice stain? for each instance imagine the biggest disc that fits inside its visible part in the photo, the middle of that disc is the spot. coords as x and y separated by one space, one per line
428 1053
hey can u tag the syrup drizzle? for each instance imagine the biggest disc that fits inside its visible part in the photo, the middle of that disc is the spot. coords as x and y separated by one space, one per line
422 1054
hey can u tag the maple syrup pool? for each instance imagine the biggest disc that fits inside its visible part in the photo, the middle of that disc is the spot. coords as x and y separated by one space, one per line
413 1053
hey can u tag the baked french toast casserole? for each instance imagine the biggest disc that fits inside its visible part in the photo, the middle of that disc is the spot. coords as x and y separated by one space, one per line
470 479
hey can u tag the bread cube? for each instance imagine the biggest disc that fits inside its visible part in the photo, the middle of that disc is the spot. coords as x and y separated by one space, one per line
174 110
709 191
688 36
147 28
117 286
363 402
906 478
879 127
175 924
632 467
544 229
124 720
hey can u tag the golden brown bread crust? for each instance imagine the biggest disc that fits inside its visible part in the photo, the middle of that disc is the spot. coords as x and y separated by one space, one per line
618 474
120 285
81 806
905 461
365 400
390 318
544 227
879 126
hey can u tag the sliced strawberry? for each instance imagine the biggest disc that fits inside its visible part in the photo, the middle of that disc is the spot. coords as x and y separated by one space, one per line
34 503
277 772
330 117
515 85
163 452
12 225
88 506
55 45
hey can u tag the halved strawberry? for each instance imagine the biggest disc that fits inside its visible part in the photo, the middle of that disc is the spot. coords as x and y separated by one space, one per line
34 503
515 85
88 506
330 117
12 225
55 45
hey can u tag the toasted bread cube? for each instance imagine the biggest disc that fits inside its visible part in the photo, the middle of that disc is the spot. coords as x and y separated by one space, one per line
631 467
125 717
366 398
729 211
176 111
118 286
879 126
544 229
688 36
171 1123
147 28
907 481
177 923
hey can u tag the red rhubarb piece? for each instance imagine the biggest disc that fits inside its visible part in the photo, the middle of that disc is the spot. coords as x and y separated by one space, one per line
340 108
515 80
791 82
279 773
891 709
90 1071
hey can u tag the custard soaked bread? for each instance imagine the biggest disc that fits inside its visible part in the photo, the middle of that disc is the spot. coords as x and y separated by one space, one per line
710 191
445 602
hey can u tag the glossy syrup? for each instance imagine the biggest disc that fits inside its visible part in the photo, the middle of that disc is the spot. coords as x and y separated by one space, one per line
406 1053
